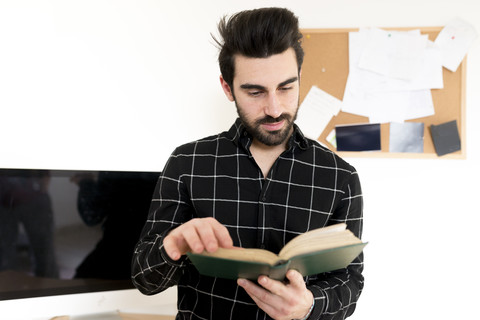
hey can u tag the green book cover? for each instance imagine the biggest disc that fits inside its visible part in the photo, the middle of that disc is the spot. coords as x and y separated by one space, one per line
306 263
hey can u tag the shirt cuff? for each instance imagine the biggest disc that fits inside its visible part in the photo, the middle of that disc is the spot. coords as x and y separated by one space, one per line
319 298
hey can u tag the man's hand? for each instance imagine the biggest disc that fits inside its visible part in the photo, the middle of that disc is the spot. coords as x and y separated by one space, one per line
197 235
280 300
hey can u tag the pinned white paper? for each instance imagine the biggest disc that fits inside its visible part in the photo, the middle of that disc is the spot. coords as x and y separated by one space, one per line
316 111
373 92
395 54
454 41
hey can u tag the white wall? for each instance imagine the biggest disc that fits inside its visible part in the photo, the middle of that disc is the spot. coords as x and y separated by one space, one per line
118 84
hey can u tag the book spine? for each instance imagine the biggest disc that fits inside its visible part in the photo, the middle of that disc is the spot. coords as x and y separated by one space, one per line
279 271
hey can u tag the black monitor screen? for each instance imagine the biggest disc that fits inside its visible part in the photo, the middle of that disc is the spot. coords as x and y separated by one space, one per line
65 232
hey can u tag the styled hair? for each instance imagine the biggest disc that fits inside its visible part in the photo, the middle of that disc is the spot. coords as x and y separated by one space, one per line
258 33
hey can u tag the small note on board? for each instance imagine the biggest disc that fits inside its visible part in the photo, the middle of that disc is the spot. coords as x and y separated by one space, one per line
454 41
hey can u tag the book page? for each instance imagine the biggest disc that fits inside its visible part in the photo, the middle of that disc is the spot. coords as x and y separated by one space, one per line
314 240
244 254
319 239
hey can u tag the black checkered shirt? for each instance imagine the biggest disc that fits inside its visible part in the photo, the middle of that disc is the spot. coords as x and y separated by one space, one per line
308 187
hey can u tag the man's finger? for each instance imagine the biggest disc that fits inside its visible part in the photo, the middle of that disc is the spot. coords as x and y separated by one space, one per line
207 236
193 239
223 236
295 278
276 287
255 291
174 247
264 299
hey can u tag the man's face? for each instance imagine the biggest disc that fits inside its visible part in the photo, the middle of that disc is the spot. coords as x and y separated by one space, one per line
266 91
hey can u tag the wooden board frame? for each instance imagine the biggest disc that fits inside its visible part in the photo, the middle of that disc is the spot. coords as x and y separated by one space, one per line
326 66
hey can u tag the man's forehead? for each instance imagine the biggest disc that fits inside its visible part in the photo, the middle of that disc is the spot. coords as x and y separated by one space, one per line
276 68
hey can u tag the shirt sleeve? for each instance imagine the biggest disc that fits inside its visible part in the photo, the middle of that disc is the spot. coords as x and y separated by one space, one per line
152 269
336 293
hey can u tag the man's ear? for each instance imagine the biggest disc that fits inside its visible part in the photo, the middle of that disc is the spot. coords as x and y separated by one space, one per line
226 88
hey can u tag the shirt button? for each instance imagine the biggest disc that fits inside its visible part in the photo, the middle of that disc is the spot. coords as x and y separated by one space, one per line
262 246
264 199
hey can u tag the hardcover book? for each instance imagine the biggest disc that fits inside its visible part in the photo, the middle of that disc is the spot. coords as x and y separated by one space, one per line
316 251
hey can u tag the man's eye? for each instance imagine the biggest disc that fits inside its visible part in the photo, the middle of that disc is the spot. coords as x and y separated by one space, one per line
255 93
285 88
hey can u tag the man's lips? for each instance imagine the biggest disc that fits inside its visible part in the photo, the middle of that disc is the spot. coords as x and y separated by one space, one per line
273 126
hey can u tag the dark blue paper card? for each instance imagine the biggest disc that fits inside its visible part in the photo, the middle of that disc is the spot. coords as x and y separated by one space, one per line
358 137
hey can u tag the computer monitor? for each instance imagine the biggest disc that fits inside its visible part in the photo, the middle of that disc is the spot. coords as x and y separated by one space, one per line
65 232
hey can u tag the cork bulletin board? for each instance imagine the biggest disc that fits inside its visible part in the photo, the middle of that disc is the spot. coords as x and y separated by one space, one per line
326 66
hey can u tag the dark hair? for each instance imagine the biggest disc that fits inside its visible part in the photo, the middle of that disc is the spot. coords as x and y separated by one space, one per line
258 33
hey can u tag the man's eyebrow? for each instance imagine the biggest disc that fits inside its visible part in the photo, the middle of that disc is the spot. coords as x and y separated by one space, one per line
249 86
288 81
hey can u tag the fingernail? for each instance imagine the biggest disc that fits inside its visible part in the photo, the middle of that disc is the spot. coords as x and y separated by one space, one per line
211 247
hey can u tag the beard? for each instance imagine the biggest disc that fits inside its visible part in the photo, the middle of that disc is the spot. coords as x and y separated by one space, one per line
268 138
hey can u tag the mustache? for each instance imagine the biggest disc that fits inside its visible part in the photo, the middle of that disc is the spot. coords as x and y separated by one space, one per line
269 119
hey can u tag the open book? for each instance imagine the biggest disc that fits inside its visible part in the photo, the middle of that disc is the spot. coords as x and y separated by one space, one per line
316 251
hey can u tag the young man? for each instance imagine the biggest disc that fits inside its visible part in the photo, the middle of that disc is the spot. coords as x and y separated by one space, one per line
257 185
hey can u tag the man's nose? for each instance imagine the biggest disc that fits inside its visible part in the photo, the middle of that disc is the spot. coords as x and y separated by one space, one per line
273 106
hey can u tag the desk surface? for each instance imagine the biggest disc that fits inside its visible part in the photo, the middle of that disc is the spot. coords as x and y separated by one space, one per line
123 316
136 316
